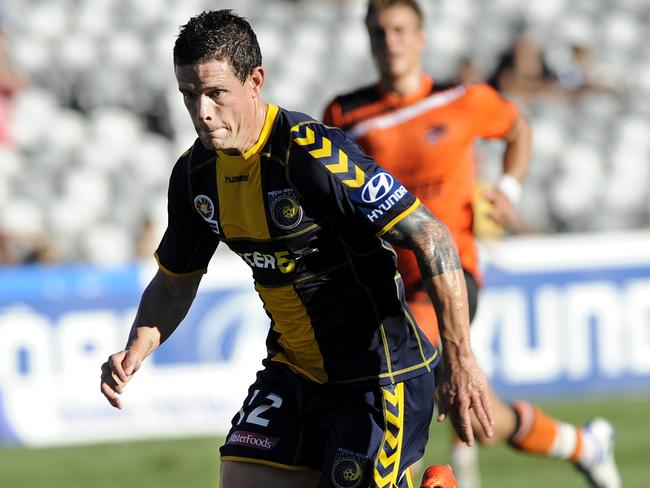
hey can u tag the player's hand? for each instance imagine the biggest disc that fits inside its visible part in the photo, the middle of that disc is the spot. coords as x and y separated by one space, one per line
464 387
503 212
117 371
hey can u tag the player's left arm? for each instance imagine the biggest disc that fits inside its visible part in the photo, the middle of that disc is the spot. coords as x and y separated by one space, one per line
463 385
506 193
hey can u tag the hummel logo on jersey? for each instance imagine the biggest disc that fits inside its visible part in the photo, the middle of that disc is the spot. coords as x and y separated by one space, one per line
236 178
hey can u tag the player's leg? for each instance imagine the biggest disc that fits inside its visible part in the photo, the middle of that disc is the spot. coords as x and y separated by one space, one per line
249 475
589 447
527 428
505 421
373 437
264 446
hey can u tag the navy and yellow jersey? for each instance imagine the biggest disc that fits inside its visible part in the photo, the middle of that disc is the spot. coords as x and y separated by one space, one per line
305 208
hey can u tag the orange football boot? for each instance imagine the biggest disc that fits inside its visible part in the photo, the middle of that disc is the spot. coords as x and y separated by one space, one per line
438 476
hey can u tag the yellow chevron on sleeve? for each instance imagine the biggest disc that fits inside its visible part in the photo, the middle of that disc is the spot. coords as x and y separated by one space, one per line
359 178
324 152
341 166
309 138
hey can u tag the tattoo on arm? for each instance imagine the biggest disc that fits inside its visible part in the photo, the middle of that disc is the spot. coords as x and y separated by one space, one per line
429 239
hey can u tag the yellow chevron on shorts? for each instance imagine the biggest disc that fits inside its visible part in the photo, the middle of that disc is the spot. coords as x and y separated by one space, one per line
392 440
387 464
309 138
387 459
391 418
391 397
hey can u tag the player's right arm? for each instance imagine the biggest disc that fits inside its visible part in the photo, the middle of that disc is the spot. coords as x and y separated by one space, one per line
163 305
183 256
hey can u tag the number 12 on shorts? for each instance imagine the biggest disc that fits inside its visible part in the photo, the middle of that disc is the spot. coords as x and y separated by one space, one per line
255 415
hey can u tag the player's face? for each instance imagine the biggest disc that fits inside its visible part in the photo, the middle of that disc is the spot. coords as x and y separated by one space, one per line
222 108
397 41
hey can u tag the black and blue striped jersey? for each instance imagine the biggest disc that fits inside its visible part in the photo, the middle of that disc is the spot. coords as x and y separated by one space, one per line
305 208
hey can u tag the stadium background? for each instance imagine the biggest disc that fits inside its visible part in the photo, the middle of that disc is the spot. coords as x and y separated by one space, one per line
565 315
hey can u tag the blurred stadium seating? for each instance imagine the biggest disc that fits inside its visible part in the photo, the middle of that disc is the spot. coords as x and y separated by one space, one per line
102 124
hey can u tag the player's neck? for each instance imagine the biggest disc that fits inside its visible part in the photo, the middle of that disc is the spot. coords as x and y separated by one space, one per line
404 85
254 133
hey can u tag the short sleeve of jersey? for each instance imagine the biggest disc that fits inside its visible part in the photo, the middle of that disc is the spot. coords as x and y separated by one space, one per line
494 115
188 243
339 181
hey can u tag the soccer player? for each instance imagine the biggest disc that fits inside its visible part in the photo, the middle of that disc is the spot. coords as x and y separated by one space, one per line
423 133
346 393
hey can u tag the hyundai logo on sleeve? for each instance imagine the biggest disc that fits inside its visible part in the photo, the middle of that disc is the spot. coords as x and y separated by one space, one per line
377 188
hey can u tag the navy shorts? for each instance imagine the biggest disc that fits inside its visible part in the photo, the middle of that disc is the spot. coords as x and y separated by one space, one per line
355 438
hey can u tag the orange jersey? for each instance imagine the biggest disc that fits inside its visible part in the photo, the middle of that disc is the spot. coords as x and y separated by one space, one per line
426 141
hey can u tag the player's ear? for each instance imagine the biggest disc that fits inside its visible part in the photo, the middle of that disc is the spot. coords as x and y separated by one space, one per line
256 80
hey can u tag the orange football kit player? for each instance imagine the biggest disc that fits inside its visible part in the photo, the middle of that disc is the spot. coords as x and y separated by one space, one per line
423 134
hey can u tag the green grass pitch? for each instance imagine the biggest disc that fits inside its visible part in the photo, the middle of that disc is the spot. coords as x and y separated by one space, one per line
193 462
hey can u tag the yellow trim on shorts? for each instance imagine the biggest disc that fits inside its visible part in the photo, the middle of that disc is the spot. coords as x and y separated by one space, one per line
389 364
289 467
389 456
401 216
424 364
409 481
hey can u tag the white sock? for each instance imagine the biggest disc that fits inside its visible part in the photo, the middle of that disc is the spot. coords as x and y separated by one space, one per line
587 455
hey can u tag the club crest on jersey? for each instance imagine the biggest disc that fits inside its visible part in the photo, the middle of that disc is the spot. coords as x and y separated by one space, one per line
348 468
377 188
205 207
435 133
284 208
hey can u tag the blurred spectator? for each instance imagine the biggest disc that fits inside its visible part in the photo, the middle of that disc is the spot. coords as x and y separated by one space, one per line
583 74
40 250
469 71
11 81
16 249
6 254
82 123
147 239
523 73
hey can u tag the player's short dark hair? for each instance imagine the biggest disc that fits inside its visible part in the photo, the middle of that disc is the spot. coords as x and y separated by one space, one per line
218 35
376 6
